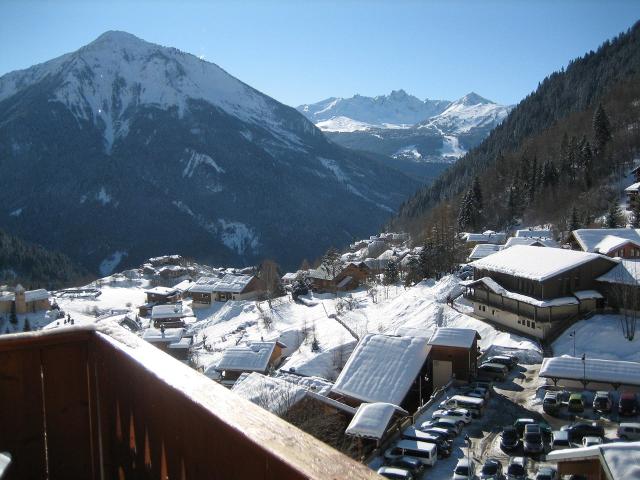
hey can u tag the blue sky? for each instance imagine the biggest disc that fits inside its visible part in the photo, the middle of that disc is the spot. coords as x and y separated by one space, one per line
304 51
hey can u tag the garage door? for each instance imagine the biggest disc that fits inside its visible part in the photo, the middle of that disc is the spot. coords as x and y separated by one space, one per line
442 370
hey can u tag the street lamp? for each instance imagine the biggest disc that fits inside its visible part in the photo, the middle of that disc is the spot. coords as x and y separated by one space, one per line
573 334
468 442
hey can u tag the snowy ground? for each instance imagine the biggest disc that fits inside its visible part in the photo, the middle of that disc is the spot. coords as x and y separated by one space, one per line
600 336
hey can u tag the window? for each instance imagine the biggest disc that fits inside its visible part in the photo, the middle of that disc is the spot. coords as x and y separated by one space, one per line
533 325
528 323
493 312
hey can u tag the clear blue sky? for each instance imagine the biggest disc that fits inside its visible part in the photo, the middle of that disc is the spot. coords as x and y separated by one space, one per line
304 51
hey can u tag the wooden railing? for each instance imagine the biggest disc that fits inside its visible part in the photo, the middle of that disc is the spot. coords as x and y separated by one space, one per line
88 404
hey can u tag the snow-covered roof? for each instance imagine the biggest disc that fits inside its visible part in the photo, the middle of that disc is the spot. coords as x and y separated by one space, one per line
289 276
271 393
321 274
160 291
233 283
627 272
634 187
183 285
372 419
618 460
593 370
536 234
171 335
183 344
483 249
535 263
486 237
611 243
587 294
498 289
542 242
247 358
382 368
36 295
589 238
344 282
454 337
169 311
202 288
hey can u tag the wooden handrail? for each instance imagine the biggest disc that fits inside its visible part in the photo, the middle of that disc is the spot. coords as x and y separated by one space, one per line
114 406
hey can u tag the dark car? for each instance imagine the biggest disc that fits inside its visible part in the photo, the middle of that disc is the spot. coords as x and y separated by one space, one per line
413 465
547 473
602 402
491 470
395 473
509 439
447 433
520 423
506 360
579 430
533 442
628 404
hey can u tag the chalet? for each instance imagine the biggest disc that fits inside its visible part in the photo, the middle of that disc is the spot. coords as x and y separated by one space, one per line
161 295
534 289
632 194
169 340
536 234
172 271
170 315
237 287
472 239
621 286
254 357
454 354
24 301
202 291
290 277
372 420
386 368
347 278
531 242
482 250
609 461
613 242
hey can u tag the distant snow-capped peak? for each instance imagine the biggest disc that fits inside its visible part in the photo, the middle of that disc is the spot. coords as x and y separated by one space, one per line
101 80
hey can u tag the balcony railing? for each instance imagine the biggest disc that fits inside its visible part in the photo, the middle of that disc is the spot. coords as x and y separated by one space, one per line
88 404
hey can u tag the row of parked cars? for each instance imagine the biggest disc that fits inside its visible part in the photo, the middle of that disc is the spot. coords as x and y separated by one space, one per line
603 402
492 469
422 445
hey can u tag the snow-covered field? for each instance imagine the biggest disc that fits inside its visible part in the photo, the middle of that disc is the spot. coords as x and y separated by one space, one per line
601 336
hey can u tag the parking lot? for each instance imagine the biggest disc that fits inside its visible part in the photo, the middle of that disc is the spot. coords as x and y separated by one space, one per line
519 396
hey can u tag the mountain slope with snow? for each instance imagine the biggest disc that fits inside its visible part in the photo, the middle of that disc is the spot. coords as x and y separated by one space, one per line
171 153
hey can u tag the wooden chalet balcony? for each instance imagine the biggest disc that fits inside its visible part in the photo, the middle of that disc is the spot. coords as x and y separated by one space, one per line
89 404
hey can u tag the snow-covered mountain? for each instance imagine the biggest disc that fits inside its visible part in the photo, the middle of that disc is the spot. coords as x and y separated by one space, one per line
406 128
396 110
469 112
125 149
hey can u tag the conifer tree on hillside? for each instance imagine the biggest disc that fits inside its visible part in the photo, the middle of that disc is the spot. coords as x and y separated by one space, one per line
635 213
601 129
469 213
391 273
574 220
614 217
477 193
549 174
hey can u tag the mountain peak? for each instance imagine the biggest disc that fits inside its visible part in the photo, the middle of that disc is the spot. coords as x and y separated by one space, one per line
473 98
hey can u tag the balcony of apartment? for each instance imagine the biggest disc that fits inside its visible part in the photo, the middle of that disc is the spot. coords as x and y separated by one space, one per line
94 404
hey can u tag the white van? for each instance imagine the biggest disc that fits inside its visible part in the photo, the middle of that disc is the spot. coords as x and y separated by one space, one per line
425 452
473 404
629 431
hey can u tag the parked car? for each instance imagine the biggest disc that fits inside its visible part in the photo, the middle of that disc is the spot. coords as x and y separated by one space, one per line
491 470
602 402
464 470
628 404
395 473
629 431
547 473
517 469
509 440
533 441
482 384
551 403
474 405
577 431
560 440
414 465
448 423
440 441
493 371
461 414
445 432
507 360
591 441
520 423
476 393
576 403
425 452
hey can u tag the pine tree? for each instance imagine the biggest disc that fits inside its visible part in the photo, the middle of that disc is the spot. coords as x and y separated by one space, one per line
465 213
477 193
574 221
614 217
601 129
391 273
533 180
549 174
413 272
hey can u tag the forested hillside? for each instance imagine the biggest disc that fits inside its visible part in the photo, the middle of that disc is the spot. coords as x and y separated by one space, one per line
34 266
560 152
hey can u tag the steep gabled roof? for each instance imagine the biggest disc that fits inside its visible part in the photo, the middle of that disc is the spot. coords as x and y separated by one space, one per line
589 238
